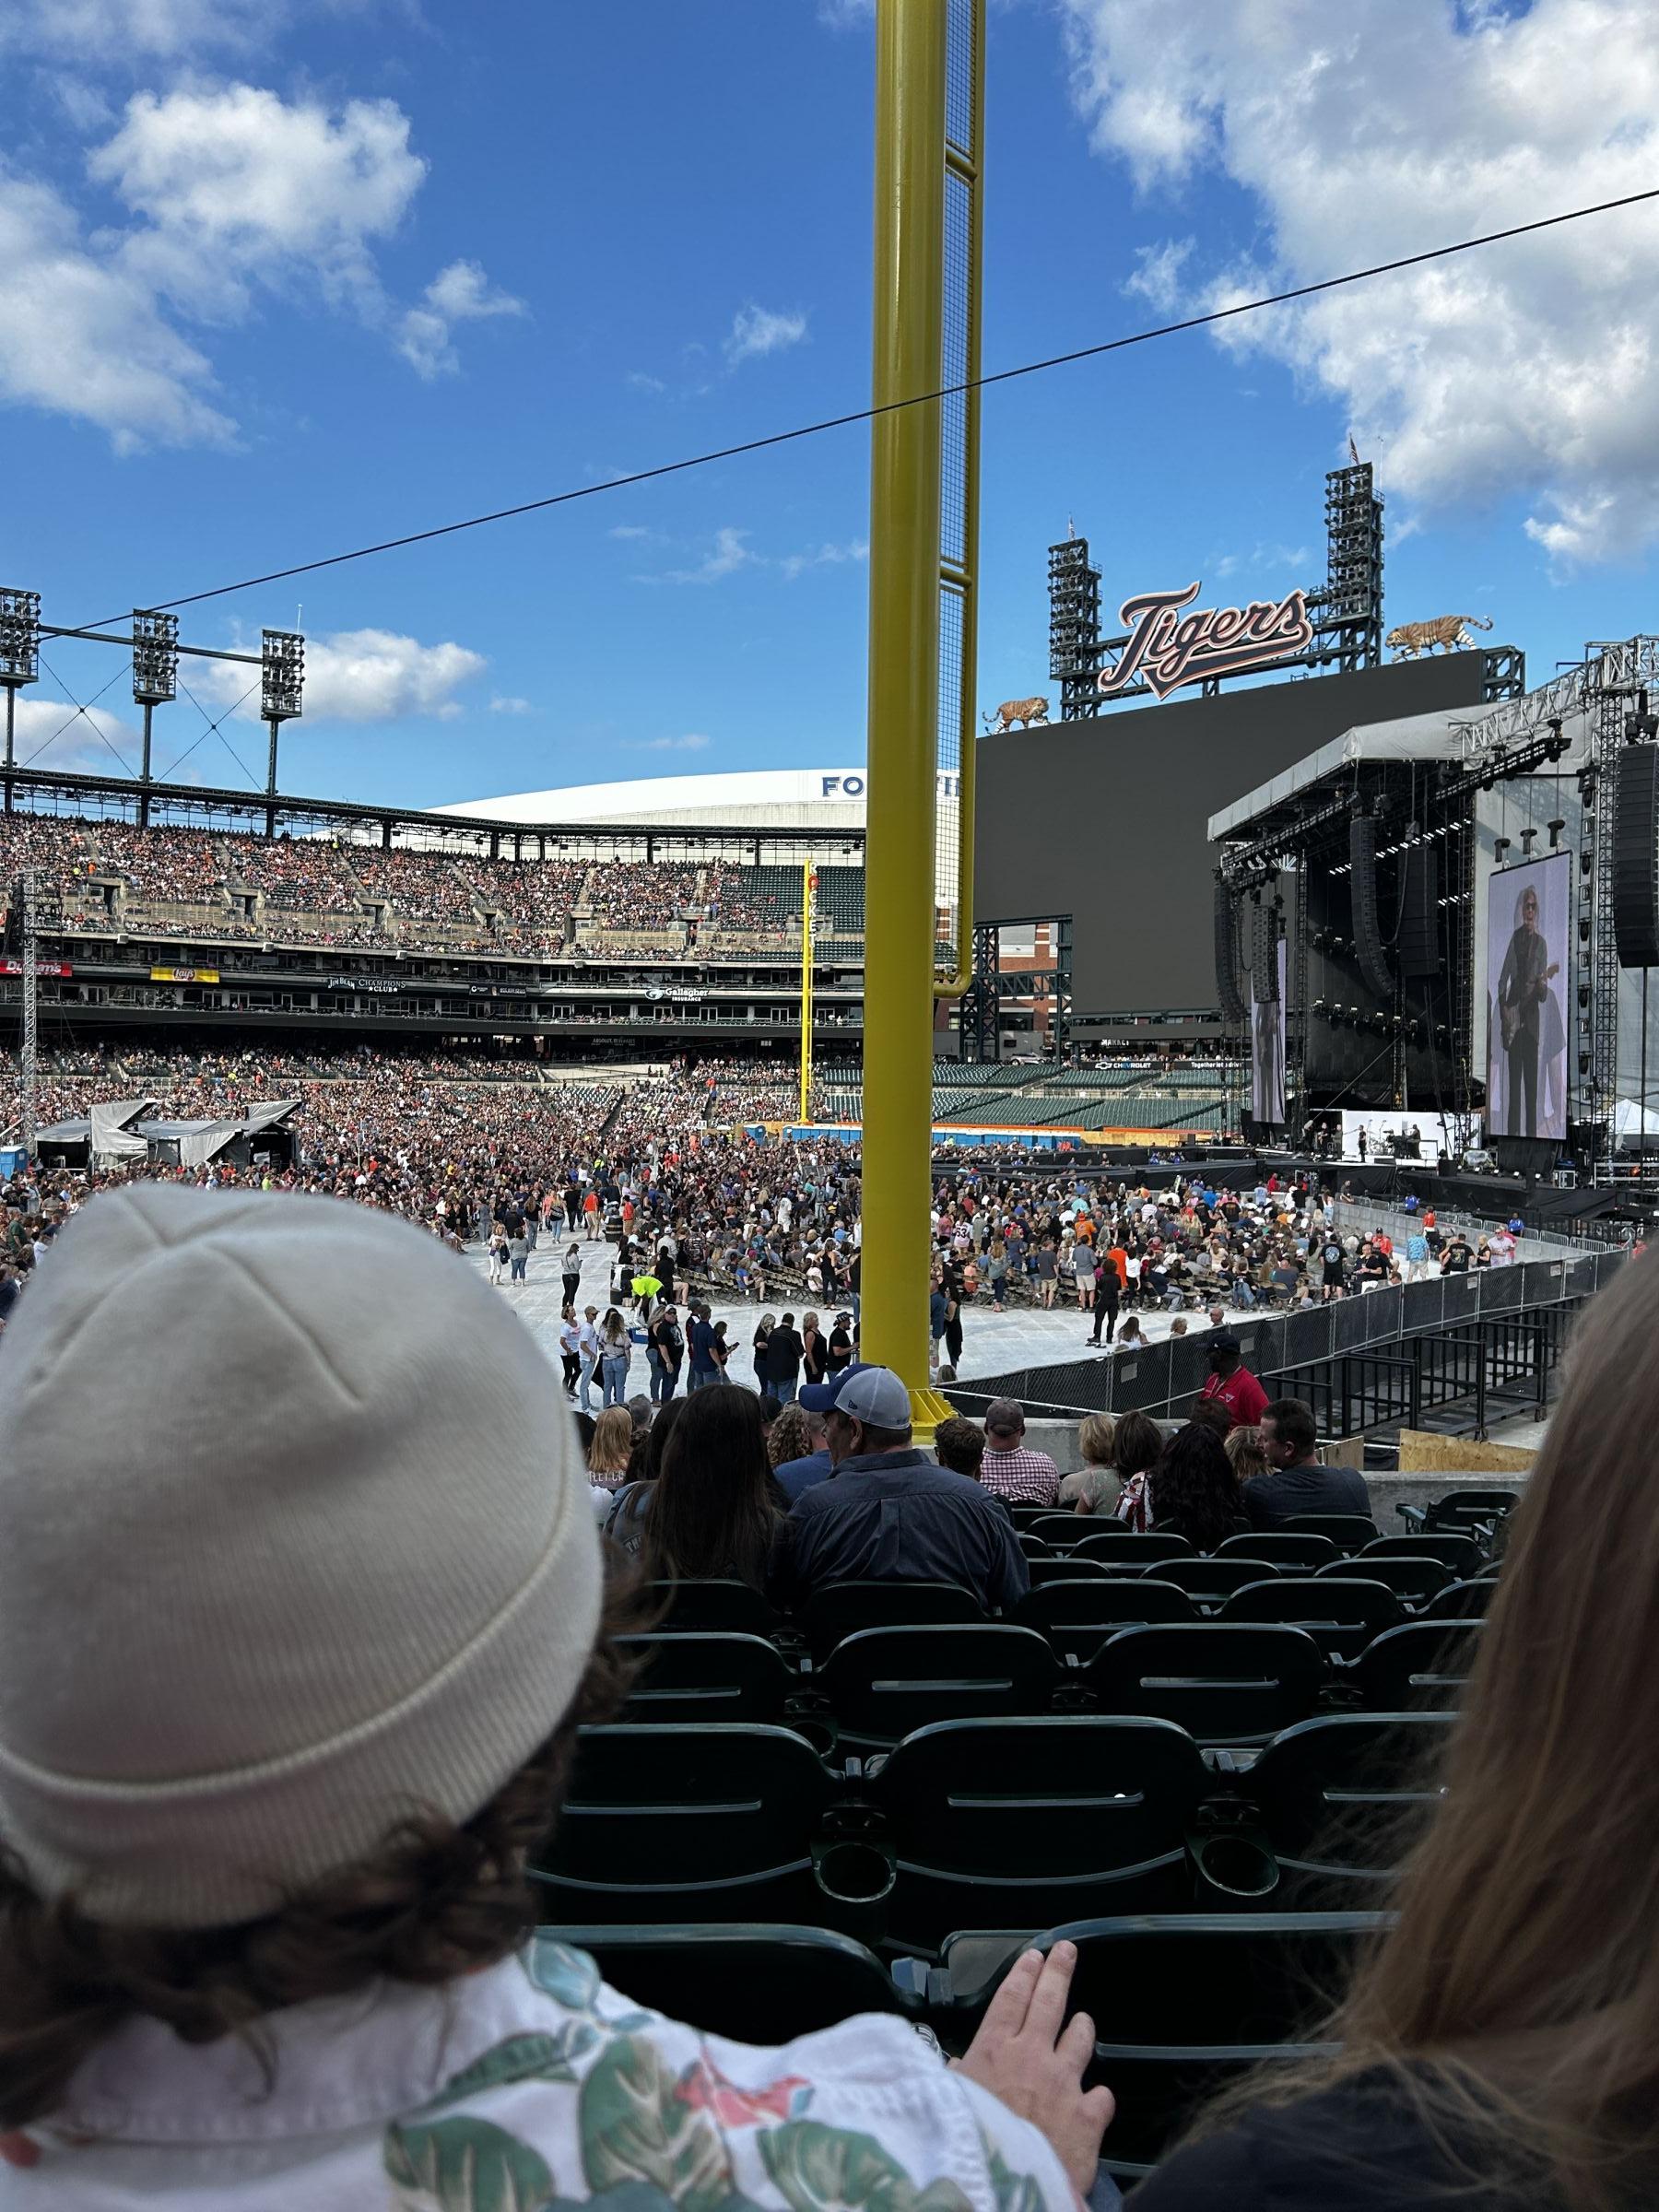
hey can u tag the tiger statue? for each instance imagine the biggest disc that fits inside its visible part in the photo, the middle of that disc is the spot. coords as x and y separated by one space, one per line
1447 632
1022 711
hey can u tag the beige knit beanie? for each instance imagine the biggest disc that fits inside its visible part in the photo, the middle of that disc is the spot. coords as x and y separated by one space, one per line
295 1538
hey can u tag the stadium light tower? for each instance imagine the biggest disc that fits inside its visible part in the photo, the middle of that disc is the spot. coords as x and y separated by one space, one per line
20 662
281 698
155 682
929 67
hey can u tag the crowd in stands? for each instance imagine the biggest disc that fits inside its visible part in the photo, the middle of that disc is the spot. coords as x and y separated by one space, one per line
326 890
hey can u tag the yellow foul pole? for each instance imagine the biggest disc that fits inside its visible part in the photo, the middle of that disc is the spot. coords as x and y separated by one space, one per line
809 885
903 695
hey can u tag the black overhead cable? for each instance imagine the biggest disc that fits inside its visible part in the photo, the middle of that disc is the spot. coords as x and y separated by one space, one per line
857 415
214 730
78 712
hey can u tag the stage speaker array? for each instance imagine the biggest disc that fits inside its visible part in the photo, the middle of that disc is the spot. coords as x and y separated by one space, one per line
1263 953
1362 877
1636 857
1418 943
1232 999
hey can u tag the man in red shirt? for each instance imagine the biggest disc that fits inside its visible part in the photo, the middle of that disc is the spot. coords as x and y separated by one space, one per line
1232 1385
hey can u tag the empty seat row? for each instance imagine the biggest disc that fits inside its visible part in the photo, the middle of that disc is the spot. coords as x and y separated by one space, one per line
1004 1824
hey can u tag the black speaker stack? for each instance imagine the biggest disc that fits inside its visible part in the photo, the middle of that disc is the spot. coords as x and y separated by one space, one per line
1363 878
1230 998
1636 857
1263 953
1418 942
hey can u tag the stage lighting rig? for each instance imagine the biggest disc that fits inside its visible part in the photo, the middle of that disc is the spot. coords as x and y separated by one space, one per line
281 676
1641 726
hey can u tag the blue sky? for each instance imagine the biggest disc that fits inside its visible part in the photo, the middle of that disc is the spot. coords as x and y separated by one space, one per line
289 278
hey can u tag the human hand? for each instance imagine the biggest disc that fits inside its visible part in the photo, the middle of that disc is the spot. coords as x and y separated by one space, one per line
1021 2055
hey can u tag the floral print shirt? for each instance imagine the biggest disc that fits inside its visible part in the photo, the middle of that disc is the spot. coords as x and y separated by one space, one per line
529 2087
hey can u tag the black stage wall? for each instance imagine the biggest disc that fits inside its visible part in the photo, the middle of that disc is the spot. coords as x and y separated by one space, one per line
1107 819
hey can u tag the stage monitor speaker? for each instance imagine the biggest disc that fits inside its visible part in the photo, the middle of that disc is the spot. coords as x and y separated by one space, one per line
1363 880
1636 857
1263 953
1231 998
1419 939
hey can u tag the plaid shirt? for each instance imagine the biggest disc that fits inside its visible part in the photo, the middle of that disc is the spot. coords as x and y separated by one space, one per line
1022 1477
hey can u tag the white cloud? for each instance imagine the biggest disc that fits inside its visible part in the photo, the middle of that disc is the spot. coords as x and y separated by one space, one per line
825 557
1390 125
760 330
239 187
235 198
731 553
82 335
694 741
102 30
365 676
845 15
626 530
501 704
461 293
1158 276
637 380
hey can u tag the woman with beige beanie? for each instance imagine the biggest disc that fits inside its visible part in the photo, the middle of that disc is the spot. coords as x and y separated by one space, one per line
300 1616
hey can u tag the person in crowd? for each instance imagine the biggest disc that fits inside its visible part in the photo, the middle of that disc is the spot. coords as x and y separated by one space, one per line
293 1867
641 1412
840 1346
608 1453
1192 1491
1083 1272
1105 1289
587 1352
571 1273
616 1350
500 1257
1130 1337
1009 1469
961 1446
1296 1482
1093 1487
1230 1385
1244 1452
761 1340
891 1514
705 1365
796 1440
783 1352
592 1225
715 1506
1495 2048
1210 1413
570 1349
815 1351
667 1341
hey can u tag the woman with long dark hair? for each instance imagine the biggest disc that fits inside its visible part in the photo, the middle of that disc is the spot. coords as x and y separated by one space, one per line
1194 1492
1499 2051
715 1505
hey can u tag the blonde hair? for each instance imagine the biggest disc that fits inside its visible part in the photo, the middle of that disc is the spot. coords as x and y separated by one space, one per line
1095 1439
613 1441
1244 1449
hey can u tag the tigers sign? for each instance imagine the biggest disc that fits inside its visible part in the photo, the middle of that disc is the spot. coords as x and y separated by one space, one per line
1166 648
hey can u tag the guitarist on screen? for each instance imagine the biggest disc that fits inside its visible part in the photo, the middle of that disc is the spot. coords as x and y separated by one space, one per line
1521 989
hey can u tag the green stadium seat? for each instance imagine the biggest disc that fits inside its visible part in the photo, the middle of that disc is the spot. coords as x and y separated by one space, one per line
1027 1821
840 1609
1059 1531
885 1683
1287 1551
1120 1546
1420 1666
1349 1531
714 1607
1213 1581
1226 1683
756 1982
697 1675
1460 1554
707 1822
1064 1566
1460 1601
1182 2005
1342 1613
1339 1799
1077 1616
1413 1581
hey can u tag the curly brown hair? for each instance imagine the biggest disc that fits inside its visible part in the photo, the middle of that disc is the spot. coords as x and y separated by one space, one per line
437 1900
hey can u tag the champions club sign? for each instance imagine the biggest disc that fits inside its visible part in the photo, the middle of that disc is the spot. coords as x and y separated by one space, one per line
1166 649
